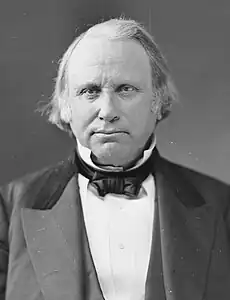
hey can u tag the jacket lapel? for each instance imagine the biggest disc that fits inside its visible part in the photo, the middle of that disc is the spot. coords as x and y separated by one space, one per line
154 287
187 231
58 247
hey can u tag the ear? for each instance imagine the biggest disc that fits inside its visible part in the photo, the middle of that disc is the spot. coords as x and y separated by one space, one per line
65 113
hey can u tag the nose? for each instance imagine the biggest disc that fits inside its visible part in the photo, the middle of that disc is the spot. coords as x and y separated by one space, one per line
107 108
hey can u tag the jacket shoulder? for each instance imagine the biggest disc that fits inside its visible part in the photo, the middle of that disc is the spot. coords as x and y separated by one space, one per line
41 184
210 188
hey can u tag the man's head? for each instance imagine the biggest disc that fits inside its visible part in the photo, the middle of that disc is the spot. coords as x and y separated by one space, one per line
113 86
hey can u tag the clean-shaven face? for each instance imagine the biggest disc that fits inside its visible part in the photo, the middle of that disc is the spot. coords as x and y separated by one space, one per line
110 96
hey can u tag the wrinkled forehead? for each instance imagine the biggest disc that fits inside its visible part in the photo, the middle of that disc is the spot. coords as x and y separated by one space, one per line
93 53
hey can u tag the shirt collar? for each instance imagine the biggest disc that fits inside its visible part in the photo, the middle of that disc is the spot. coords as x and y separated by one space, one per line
85 153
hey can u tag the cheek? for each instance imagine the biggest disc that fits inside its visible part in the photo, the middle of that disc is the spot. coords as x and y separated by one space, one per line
81 118
141 119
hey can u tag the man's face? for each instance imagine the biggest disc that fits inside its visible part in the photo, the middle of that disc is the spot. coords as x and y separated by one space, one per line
110 96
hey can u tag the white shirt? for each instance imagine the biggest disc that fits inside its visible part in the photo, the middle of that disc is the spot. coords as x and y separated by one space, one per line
119 231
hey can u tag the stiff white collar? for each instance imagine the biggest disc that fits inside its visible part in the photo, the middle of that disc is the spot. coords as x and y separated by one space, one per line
85 153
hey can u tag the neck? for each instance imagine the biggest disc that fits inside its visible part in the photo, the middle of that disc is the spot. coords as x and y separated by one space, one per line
130 164
91 159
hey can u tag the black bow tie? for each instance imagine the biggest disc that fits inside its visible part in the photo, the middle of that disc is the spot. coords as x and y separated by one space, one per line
126 183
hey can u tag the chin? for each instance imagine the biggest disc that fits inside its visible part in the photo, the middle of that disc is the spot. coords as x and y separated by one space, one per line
112 154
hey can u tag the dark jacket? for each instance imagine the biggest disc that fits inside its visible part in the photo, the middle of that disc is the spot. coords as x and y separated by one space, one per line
44 251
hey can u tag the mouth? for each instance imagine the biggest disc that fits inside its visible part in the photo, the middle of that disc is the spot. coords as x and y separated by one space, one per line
109 133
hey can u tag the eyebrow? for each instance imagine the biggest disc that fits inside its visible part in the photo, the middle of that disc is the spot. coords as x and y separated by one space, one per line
86 84
91 84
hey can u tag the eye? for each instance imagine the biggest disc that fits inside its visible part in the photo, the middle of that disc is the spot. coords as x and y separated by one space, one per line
126 88
91 92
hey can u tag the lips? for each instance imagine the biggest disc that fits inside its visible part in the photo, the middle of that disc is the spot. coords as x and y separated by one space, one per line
109 131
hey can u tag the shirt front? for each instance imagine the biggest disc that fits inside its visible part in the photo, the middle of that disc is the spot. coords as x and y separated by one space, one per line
119 232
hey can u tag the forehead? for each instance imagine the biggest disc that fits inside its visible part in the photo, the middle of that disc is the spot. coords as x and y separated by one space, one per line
101 58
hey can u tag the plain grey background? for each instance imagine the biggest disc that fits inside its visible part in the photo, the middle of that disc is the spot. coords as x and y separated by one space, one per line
193 35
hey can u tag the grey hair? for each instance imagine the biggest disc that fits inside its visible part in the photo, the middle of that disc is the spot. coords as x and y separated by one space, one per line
119 28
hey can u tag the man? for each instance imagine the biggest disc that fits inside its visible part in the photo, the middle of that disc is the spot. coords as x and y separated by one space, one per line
115 220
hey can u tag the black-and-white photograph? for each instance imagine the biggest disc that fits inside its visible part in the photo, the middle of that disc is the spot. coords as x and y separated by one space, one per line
115 150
